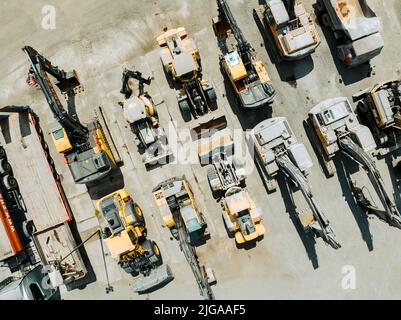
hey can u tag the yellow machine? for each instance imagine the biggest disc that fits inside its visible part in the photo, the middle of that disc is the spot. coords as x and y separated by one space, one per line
174 198
247 74
379 108
124 233
181 215
88 150
187 64
181 59
241 215
61 141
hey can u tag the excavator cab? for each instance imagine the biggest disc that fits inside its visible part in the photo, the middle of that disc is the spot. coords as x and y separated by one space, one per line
61 140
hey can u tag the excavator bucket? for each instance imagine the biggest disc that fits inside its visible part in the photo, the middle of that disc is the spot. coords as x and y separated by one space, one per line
157 278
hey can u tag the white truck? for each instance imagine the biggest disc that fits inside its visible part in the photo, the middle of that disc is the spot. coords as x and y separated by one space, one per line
356 29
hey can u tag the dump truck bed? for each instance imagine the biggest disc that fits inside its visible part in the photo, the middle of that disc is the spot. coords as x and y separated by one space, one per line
354 17
43 196
342 11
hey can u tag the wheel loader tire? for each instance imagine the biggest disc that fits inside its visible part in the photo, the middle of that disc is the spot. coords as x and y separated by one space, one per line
28 227
153 250
9 182
212 98
157 257
5 167
2 153
326 20
320 6
139 213
128 268
185 110
363 107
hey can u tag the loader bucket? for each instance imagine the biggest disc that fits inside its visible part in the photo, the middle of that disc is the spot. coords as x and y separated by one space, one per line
207 128
208 148
163 157
157 278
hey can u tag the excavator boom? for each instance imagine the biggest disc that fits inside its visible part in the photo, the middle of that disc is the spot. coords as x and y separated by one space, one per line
321 225
192 258
355 152
226 16
41 67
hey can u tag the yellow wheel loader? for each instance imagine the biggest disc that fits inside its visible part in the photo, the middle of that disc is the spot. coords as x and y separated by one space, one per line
124 232
181 60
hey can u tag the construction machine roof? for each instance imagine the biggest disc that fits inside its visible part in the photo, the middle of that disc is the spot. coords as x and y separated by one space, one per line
237 200
273 132
236 67
177 49
278 11
336 116
276 134
134 109
368 44
184 63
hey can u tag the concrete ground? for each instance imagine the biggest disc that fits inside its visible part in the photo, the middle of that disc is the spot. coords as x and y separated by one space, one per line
100 38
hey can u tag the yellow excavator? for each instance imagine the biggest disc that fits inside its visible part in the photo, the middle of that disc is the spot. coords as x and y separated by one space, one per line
124 232
247 73
88 150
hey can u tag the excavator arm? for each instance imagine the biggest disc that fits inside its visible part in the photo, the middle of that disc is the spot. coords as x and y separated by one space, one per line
244 47
321 226
41 67
192 258
127 75
355 152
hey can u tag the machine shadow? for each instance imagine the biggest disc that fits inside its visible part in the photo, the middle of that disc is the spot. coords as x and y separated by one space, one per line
395 175
112 182
360 217
308 241
247 118
348 75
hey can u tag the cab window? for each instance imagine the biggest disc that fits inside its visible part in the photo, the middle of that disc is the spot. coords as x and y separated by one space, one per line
58 134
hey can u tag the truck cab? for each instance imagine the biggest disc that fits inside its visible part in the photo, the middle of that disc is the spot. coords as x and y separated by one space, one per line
35 285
